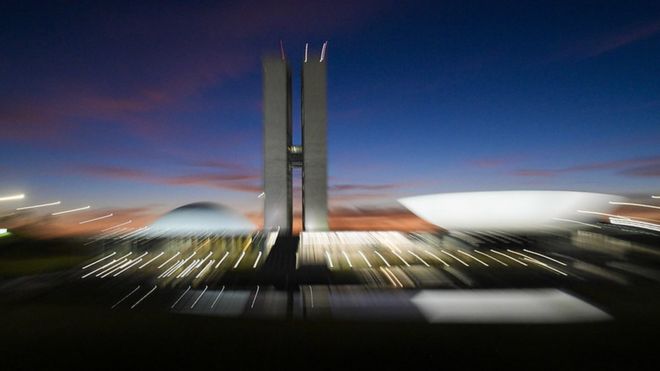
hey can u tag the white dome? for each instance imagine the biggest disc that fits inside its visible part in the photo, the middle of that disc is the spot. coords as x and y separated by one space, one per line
509 210
201 218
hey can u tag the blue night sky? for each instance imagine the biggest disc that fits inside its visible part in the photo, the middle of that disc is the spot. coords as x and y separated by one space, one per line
152 105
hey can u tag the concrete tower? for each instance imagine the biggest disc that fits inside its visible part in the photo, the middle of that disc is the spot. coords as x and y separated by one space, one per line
280 156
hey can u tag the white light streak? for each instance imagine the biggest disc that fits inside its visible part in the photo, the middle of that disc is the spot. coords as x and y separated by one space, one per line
152 259
634 223
459 260
256 261
325 45
382 258
255 297
95 219
13 197
419 258
218 297
347 259
492 257
199 297
180 297
125 297
577 222
402 259
115 226
544 256
327 254
98 269
72 210
38 206
100 260
223 259
144 297
239 260
473 257
170 259
388 276
436 258
634 204
365 259
394 276
510 257
311 295
210 263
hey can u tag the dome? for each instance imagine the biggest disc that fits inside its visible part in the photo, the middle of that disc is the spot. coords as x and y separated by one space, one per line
201 218
509 210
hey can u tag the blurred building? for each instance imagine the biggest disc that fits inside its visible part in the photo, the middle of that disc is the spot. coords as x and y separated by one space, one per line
281 155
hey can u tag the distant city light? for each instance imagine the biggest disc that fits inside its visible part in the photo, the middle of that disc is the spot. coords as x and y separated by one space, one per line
37 206
13 197
71 211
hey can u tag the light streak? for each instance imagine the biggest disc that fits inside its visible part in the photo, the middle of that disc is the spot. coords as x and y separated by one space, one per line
402 259
459 260
535 261
115 226
239 259
137 261
98 269
210 263
72 210
180 297
382 258
13 197
419 258
169 260
510 257
218 297
327 254
95 219
492 257
100 260
125 297
436 258
221 260
634 223
347 259
144 297
577 222
388 276
544 256
38 206
199 297
473 257
152 259
365 259
256 261
394 276
311 295
255 297
634 204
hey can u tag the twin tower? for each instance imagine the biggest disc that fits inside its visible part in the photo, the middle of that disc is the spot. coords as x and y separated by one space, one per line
281 155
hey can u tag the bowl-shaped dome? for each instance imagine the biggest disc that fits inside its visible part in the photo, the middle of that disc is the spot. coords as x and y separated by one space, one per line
201 218
508 210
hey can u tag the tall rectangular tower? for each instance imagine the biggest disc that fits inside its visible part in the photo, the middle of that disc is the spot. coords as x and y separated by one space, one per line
314 137
277 140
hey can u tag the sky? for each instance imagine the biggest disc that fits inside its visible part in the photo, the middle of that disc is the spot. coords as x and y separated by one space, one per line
139 107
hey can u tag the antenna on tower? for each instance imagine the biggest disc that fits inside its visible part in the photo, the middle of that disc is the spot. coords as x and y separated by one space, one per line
306 48
325 44
282 50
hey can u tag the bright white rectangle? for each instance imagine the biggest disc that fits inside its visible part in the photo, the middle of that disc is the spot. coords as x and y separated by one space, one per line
14 197
505 306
